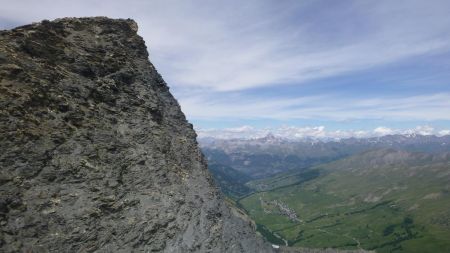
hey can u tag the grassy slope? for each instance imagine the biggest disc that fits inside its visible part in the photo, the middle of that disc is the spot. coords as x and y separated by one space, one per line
387 208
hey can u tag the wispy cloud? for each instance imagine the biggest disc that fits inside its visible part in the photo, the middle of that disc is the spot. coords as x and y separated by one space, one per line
312 132
236 54
235 45
425 107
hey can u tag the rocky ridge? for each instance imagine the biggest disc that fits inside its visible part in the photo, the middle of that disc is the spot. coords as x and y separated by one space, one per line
96 155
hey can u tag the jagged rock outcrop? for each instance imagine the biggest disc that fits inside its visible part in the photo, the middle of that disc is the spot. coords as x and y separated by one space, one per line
95 153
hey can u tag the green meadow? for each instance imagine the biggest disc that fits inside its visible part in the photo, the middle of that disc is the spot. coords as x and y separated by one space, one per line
386 208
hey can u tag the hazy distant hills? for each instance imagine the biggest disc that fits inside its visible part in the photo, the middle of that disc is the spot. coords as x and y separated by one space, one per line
384 160
388 156
263 157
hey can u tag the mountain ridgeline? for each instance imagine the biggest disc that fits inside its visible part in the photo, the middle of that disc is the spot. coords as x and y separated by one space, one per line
265 157
96 155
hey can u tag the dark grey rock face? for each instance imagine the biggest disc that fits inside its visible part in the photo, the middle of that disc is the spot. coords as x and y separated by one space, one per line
95 153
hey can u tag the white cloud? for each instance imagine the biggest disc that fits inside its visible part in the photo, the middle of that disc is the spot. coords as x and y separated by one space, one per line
300 132
235 54
312 132
444 132
241 129
222 106
383 131
422 130
244 132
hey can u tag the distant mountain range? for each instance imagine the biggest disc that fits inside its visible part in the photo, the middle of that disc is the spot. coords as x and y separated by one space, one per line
267 156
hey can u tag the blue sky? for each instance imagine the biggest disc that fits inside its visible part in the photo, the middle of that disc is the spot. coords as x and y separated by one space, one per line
347 66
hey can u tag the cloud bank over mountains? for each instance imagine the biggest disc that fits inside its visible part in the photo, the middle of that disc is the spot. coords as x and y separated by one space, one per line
315 132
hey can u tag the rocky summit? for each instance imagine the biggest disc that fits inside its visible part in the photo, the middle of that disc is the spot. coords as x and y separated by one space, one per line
95 153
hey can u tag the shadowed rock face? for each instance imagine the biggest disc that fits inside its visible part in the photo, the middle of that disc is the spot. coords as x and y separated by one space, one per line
95 153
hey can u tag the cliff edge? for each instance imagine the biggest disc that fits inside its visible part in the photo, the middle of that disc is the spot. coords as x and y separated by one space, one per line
96 155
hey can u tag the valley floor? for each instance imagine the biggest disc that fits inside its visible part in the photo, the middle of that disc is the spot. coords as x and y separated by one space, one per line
349 211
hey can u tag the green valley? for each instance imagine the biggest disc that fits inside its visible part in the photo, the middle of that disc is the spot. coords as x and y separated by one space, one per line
384 200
